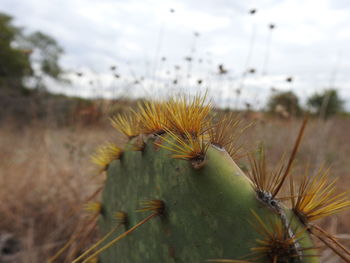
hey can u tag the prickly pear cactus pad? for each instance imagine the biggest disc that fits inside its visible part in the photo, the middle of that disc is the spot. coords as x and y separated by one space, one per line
174 193
208 211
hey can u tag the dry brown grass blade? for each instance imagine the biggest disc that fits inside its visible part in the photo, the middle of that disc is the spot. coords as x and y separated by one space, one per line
117 239
121 218
292 157
83 239
73 211
99 242
331 245
73 237
330 237
156 206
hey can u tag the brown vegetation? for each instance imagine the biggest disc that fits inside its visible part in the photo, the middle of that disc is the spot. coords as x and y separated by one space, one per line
46 173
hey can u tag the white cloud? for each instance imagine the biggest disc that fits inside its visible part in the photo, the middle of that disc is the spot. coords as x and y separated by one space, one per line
134 35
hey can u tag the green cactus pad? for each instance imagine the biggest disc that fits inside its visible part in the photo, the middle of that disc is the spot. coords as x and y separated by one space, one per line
208 211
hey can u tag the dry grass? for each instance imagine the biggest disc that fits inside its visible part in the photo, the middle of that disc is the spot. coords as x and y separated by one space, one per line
45 172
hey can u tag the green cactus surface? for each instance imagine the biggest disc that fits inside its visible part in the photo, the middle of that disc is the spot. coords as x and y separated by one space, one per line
208 211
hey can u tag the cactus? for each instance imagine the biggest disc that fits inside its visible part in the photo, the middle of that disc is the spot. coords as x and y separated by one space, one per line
198 205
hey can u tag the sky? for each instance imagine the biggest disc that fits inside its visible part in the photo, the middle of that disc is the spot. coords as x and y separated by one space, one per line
148 42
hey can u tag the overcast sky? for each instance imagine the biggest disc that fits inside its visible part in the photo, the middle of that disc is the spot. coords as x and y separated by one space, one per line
310 42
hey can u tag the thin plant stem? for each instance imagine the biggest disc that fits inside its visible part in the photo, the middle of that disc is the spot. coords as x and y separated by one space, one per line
70 241
119 237
292 157
329 236
97 244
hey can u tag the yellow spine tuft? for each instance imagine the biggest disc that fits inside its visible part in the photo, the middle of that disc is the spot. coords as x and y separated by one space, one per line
152 116
317 197
224 131
128 125
188 116
121 217
226 134
93 207
106 154
157 206
275 242
186 147
264 180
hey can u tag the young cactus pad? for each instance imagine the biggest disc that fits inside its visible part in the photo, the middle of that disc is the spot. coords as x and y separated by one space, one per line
210 210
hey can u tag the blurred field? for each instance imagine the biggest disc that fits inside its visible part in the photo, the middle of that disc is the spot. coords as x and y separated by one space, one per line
45 172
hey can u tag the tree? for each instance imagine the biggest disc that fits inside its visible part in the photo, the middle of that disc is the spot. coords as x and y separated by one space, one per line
326 103
14 62
26 56
47 53
285 103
